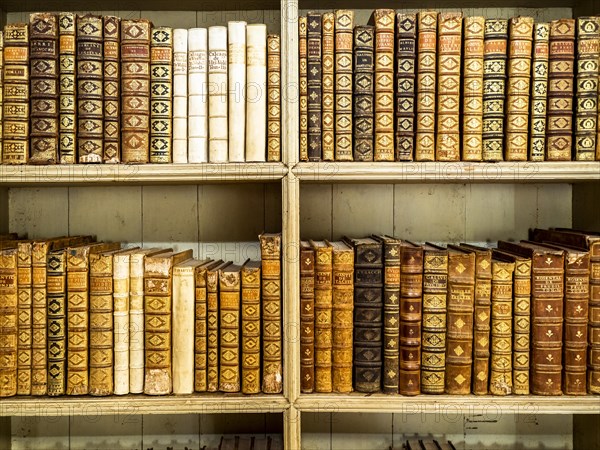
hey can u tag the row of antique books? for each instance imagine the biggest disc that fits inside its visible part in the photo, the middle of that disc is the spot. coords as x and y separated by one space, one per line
79 317
443 87
383 314
93 89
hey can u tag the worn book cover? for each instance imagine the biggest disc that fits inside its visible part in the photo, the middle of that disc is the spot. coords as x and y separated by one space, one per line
472 120
307 317
212 320
427 59
112 90
314 86
24 321
539 92
328 86
67 88
217 98
406 54
161 95
236 74
250 324
303 88
344 24
274 97
363 96
197 95
180 96
9 312
256 87
229 328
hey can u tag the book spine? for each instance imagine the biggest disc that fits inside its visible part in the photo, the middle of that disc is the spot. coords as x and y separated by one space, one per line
539 92
112 90
459 334
593 374
328 83
180 95
212 330
481 322
198 95
588 54
9 312
236 35
559 131
229 331
521 326
39 334
250 330
518 88
274 97
101 324
184 301
136 323
472 121
1 89
494 84
57 324
24 318
43 54
391 316
15 78
161 95
67 88
314 86
426 85
406 37
307 319
411 300
344 24
90 89
501 328
200 342
135 90
270 246
121 322
323 319
384 84
363 98
303 76
256 93
433 341
217 97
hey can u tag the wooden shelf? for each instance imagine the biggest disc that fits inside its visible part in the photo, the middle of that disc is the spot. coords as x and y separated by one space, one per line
449 404
449 172
142 404
127 174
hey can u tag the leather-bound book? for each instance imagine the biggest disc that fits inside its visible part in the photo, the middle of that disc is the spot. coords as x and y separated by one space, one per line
501 327
180 95
447 146
9 312
344 24
250 340
217 97
343 299
184 321
459 334
236 73
1 96
586 120
323 316
383 20
518 88
56 291
161 95
24 318
303 74
368 314
547 282
212 320
328 81
521 324
256 88
274 97
15 79
363 97
197 95
272 302
406 54
411 299
158 308
43 63
135 90
561 67
314 85
307 318
539 92
426 85
494 85
391 313
229 328
433 340
472 120
112 89
67 108
90 89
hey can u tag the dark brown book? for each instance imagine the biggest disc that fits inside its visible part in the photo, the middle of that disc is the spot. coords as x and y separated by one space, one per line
307 317
303 76
323 316
363 98
406 54
112 89
315 86
426 85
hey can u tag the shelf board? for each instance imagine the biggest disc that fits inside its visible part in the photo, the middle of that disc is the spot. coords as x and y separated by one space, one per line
142 404
450 405
92 174
448 172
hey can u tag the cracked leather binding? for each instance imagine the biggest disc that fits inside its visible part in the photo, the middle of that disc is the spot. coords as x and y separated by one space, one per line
426 85
539 92
307 317
344 24
363 98
472 121
406 42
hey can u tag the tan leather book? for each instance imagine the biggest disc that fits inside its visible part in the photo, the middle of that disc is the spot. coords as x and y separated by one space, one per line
328 80
229 328
250 326
161 95
274 97
539 92
307 317
344 24
518 88
24 318
1 90
323 316
448 96
67 87
212 286
39 333
201 336
303 74
9 312
112 89
158 308
342 311
460 306
272 364
472 121
427 22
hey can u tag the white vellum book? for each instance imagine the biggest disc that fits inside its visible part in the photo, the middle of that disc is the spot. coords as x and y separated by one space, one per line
180 94
237 88
217 94
198 95
256 92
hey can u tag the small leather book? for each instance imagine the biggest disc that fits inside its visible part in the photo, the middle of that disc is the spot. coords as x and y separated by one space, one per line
547 281
472 121
344 24
9 312
406 54
112 89
328 86
274 97
24 317
539 92
303 74
212 351
161 95
426 85
314 85
67 88
363 97
561 67
250 365
307 318
229 328
368 314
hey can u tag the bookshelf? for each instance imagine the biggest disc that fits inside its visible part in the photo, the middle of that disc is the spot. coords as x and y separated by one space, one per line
184 206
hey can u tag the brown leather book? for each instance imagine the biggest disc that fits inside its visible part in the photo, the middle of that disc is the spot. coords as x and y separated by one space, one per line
307 318
212 351
342 310
303 73
405 81
161 95
201 336
229 328
328 80
539 92
472 121
68 88
344 24
460 305
433 340
314 86
274 97
112 89
426 85
272 352
547 277
9 312
24 321
158 281
39 334
363 98
1 72
251 327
